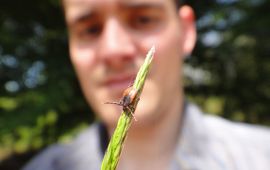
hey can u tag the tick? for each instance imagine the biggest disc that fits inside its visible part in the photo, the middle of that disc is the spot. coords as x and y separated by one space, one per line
128 100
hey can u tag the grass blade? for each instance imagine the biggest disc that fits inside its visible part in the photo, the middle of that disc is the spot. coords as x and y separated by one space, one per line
111 157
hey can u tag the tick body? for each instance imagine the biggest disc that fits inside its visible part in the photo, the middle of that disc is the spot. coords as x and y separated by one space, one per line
128 100
129 97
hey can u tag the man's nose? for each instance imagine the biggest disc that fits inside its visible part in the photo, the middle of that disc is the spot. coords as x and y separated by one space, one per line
116 44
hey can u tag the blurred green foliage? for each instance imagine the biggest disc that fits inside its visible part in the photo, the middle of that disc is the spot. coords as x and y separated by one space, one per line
40 99
232 54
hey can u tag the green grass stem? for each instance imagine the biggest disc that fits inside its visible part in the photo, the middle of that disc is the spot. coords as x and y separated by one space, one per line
112 155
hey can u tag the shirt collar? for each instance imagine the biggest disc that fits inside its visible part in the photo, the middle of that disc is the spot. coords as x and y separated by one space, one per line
193 141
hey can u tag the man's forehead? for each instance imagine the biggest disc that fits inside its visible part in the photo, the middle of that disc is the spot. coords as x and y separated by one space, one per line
102 2
75 8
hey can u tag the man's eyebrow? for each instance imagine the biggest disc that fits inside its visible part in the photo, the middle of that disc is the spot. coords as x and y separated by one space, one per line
142 5
124 5
83 17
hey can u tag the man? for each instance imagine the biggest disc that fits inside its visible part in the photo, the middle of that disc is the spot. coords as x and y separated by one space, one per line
108 40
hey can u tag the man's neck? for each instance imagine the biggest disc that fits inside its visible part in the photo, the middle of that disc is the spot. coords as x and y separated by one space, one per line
152 147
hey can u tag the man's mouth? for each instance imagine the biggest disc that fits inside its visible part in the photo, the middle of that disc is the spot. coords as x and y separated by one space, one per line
120 82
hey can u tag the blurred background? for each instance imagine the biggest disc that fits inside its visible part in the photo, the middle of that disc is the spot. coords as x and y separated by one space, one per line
228 73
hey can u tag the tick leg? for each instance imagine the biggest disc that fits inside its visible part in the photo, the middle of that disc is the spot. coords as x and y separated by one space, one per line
131 83
132 113
131 110
137 100
116 103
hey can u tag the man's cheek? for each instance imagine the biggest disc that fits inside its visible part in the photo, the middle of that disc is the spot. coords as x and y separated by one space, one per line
84 58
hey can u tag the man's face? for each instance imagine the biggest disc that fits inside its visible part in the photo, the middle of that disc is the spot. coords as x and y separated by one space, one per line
108 42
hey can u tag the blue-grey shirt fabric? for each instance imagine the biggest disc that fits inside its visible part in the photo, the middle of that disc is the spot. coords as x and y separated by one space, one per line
205 143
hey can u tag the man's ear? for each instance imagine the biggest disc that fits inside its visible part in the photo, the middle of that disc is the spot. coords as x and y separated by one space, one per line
187 17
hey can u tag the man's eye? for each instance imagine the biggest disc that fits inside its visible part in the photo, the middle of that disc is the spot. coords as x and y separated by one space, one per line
144 22
93 30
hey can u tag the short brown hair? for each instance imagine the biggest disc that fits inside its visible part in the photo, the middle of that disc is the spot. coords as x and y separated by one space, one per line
178 3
